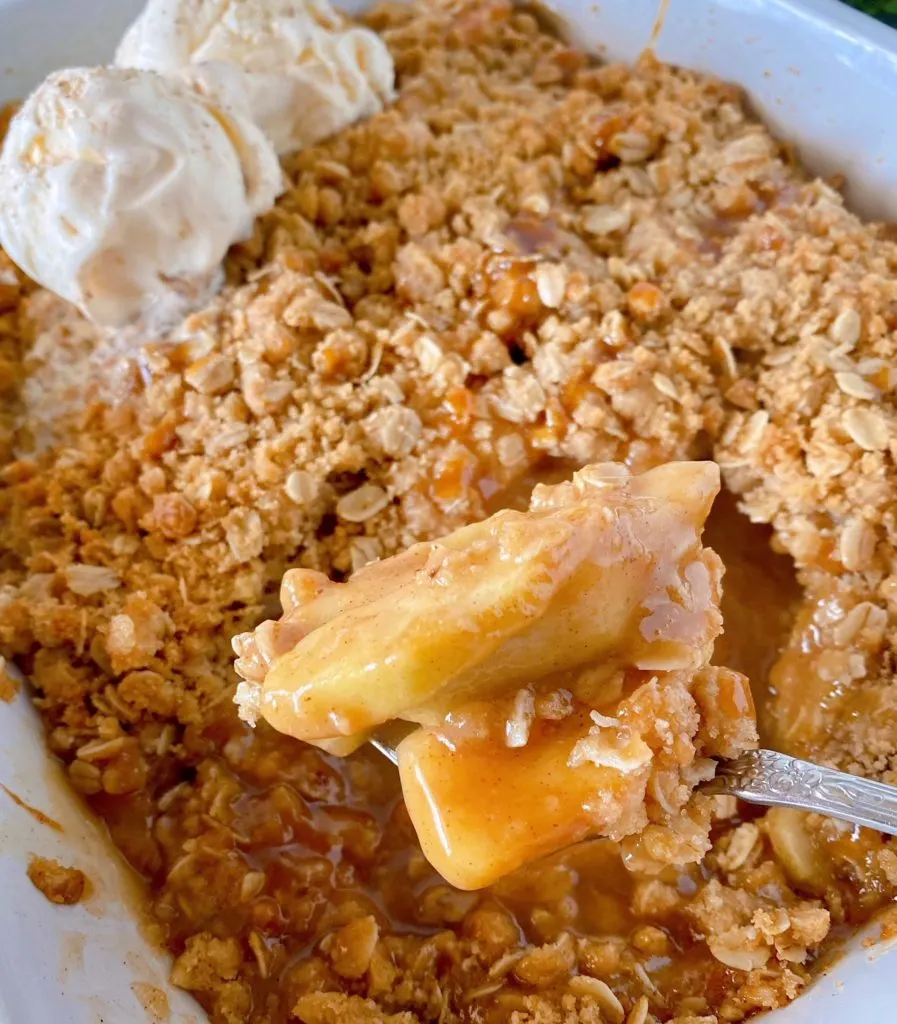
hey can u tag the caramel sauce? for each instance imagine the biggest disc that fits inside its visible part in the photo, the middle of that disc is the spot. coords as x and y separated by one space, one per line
536 235
39 816
837 643
760 599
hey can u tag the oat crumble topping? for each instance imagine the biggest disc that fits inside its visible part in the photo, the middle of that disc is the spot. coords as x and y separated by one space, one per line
527 264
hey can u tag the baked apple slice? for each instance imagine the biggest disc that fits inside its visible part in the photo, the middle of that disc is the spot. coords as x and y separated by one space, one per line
550 658
605 567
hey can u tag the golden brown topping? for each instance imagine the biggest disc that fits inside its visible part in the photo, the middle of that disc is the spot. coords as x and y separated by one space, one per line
58 883
357 299
9 685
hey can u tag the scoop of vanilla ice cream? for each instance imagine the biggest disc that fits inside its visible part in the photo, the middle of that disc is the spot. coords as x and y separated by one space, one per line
121 190
309 73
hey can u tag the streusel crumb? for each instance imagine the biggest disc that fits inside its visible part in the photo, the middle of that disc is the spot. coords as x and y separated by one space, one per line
529 263
9 685
58 883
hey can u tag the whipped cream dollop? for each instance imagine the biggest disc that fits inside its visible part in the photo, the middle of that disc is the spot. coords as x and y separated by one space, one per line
122 190
309 73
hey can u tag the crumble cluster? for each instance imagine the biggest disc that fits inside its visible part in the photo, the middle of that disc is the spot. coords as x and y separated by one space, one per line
529 263
58 883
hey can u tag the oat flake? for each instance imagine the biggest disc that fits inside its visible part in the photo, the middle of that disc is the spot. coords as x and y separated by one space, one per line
360 505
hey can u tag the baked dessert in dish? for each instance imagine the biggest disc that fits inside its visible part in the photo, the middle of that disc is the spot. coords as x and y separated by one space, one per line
529 263
556 660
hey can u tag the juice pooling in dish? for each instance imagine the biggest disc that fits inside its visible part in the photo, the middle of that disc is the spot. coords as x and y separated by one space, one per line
557 661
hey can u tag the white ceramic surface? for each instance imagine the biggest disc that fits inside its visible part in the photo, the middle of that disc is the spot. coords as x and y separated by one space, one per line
824 76
84 964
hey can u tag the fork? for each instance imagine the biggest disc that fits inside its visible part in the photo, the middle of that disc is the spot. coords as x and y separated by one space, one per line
776 780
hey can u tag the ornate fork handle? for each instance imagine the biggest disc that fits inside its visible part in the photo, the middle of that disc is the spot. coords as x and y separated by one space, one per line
766 777
776 780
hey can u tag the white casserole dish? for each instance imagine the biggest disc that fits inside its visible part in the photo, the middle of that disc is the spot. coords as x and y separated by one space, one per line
822 75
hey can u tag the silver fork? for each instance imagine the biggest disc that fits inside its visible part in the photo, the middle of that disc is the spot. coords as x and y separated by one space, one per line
777 780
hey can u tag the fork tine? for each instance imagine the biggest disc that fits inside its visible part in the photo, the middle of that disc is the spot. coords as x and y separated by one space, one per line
385 749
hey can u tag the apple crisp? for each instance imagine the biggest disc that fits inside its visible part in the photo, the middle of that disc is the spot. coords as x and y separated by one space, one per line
556 660
528 264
